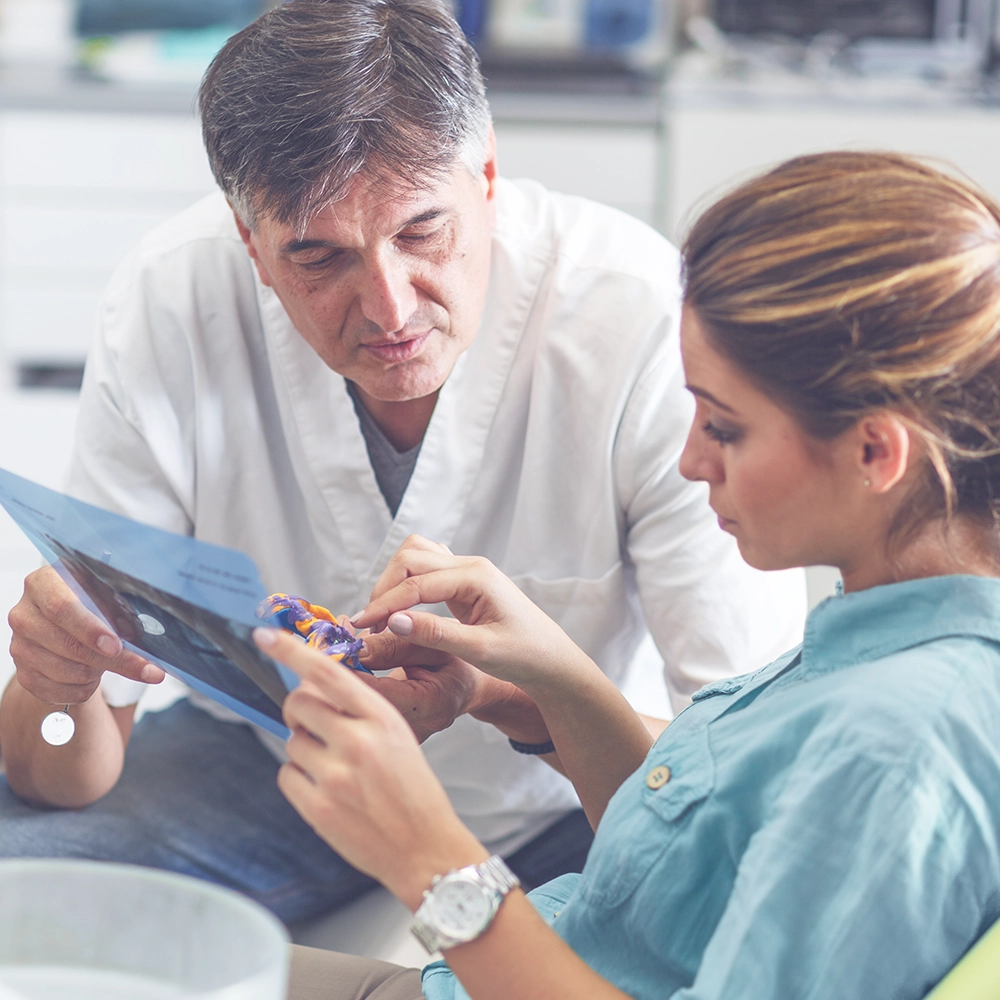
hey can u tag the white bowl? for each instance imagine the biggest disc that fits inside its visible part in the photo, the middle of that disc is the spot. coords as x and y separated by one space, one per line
87 929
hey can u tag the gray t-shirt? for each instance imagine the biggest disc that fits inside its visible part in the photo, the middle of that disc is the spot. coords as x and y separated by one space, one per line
392 468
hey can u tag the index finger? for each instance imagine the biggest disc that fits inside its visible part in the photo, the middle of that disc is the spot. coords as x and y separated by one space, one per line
68 628
57 603
397 568
425 584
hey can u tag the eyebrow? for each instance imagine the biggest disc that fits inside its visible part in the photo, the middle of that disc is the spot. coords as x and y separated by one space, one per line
294 246
705 394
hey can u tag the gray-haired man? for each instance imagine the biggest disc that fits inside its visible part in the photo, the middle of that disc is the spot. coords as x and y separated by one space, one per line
372 336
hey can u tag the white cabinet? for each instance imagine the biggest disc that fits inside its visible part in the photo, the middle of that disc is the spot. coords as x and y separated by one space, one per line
77 191
618 165
713 144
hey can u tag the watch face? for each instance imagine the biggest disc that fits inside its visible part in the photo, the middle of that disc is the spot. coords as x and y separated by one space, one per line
461 908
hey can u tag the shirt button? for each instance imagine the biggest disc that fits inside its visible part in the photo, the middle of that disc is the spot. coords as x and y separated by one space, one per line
658 777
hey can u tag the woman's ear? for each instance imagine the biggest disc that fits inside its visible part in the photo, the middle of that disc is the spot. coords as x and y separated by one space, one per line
885 451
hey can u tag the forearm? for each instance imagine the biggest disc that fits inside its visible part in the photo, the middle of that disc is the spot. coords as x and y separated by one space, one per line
520 956
599 737
70 776
653 725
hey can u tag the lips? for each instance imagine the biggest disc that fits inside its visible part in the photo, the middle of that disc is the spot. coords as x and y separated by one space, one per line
394 351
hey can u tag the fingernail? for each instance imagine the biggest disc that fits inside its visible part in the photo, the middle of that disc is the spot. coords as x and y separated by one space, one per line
365 650
265 637
401 624
109 645
355 618
150 674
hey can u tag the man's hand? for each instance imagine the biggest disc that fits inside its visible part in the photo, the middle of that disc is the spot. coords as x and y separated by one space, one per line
61 650
429 688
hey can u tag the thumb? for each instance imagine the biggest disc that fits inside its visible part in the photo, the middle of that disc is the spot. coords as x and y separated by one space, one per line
386 650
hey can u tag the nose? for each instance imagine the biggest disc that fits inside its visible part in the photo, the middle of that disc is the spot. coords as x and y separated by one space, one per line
388 298
699 461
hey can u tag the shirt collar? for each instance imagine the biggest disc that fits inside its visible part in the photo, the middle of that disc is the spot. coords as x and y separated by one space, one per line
880 621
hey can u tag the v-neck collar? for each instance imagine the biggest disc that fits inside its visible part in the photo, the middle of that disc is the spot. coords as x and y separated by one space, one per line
329 449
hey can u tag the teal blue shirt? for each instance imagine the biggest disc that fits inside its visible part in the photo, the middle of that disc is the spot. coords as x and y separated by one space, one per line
831 825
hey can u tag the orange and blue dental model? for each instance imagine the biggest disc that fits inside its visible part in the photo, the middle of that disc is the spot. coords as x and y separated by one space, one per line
316 625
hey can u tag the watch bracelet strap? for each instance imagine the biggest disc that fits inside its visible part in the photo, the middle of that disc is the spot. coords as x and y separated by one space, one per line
495 875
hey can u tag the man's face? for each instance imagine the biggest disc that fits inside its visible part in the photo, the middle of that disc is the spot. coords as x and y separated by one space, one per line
387 285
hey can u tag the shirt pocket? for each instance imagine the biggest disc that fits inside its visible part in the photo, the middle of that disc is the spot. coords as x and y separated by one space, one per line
645 818
595 612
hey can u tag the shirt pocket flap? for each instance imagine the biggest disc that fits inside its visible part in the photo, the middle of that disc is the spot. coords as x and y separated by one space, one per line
691 778
642 821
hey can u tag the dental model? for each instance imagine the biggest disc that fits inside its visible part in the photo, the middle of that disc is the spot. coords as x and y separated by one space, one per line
316 625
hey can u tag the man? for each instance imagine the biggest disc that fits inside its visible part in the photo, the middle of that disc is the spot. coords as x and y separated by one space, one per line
372 336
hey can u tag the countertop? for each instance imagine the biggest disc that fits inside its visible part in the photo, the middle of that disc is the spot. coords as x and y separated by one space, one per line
607 99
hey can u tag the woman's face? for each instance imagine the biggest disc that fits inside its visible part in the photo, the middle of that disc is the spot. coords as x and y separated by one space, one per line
787 498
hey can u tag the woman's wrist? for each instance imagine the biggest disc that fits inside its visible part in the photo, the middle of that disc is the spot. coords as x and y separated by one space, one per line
418 872
563 680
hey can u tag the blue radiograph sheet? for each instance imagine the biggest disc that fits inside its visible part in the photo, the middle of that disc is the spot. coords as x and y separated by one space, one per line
184 604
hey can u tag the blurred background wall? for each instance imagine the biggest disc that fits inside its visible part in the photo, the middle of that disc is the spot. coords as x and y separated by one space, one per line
652 106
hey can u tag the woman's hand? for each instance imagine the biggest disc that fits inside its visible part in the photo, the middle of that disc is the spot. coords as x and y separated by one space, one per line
599 738
358 778
495 626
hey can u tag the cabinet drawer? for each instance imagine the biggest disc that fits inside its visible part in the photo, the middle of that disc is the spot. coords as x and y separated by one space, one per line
103 151
73 237
48 316
617 166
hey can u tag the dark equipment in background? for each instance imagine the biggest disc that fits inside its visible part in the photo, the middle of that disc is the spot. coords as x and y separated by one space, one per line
922 37
929 20
806 18
106 17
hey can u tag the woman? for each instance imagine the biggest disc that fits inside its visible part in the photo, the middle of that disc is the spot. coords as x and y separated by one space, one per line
828 826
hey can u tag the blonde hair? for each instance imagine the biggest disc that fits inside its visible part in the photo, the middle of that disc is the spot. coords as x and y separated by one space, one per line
845 283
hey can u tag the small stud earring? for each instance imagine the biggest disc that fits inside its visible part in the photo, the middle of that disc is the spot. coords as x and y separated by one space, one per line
868 482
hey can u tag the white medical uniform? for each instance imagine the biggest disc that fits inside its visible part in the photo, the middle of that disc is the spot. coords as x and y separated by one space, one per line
552 450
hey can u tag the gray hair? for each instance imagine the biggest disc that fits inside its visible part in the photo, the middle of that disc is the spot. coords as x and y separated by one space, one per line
316 92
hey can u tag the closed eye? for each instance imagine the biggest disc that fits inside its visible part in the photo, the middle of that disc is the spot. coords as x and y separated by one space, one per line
419 237
719 434
321 263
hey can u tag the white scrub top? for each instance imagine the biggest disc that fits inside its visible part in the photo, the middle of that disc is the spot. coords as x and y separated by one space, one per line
552 450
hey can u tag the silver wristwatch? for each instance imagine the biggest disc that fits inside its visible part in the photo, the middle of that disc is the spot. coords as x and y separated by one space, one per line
459 906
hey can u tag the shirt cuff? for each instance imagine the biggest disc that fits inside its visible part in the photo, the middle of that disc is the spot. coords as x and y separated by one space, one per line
119 691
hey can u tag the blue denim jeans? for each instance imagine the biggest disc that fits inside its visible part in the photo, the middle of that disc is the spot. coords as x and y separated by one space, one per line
199 796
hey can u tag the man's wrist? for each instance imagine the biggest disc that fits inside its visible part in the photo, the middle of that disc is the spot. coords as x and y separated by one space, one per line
514 714
493 697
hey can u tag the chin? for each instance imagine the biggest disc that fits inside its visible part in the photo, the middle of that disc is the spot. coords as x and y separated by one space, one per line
767 560
405 382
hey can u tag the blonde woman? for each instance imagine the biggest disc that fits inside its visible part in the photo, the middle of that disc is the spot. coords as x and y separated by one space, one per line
828 826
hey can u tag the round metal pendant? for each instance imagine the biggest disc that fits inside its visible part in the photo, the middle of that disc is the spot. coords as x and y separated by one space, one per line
58 728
